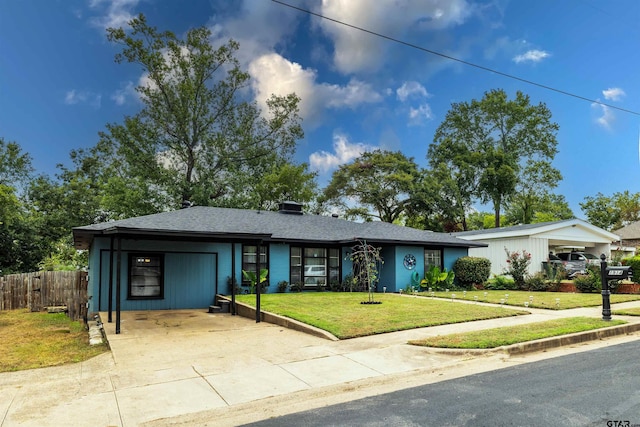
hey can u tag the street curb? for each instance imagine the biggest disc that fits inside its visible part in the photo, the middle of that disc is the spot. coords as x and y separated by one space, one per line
545 343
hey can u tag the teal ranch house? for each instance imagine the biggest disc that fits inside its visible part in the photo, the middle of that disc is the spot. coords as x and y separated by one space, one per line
183 259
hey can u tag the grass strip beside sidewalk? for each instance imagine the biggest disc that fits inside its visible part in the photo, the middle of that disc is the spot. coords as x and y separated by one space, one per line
497 337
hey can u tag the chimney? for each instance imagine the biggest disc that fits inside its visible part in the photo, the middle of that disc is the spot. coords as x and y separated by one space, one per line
291 208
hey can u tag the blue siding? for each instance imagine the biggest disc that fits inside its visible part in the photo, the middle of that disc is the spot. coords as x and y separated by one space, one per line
388 273
278 265
403 275
190 273
450 255
192 270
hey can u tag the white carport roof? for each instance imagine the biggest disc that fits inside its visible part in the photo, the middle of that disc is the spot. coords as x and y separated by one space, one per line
570 232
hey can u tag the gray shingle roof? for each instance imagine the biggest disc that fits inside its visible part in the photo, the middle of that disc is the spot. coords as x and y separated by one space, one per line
210 222
631 231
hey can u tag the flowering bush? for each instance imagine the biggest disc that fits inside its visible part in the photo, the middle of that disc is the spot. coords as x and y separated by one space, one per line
518 266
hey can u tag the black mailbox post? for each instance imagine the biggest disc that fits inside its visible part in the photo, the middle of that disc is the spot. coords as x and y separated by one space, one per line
606 274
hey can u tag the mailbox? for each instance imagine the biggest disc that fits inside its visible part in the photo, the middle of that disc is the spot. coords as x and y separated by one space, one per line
618 273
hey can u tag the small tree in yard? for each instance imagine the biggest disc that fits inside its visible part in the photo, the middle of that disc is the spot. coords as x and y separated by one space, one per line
518 266
367 264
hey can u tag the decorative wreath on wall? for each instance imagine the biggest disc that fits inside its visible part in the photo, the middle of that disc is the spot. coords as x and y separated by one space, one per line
409 262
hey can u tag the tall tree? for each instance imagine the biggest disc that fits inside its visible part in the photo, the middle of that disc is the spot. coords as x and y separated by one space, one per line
533 194
196 134
612 212
492 142
441 199
15 165
378 182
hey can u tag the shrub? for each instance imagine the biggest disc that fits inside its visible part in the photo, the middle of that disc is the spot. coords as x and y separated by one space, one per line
471 270
283 285
296 287
590 282
501 283
634 263
518 266
539 282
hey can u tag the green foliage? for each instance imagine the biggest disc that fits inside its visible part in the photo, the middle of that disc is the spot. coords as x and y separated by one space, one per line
296 287
539 282
283 285
634 263
285 182
436 279
590 282
380 182
470 271
501 283
196 137
612 212
251 277
490 146
586 283
518 266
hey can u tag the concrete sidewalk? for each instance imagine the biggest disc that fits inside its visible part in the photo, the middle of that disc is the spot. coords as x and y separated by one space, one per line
193 367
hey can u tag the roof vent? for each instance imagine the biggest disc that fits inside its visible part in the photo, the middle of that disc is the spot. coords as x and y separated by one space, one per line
292 208
334 215
185 204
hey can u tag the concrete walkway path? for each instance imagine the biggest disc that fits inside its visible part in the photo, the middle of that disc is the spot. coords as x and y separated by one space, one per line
196 368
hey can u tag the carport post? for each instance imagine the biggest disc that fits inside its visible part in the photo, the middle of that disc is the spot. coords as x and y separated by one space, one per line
258 284
118 263
110 281
233 279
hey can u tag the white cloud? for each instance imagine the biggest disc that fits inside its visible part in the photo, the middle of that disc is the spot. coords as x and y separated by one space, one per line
117 13
606 118
534 55
273 74
420 115
127 91
344 152
73 97
614 94
355 50
411 89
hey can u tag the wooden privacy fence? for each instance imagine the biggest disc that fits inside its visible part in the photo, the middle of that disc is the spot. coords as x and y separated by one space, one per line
42 289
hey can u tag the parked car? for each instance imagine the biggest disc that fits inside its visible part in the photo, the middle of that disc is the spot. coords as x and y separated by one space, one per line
573 263
591 259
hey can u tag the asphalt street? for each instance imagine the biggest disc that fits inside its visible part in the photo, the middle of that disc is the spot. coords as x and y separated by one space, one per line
594 388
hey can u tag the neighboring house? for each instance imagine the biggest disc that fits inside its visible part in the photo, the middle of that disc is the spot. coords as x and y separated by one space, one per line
539 240
183 259
629 240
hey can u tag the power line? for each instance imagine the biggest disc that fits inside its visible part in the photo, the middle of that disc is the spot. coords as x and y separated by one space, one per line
442 55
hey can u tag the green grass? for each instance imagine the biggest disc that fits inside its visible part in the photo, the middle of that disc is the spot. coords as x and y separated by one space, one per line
546 300
36 340
492 338
627 312
342 314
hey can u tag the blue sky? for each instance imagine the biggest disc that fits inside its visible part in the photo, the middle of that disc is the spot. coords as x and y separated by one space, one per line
59 85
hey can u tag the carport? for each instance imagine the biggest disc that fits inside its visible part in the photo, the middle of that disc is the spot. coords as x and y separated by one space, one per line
539 239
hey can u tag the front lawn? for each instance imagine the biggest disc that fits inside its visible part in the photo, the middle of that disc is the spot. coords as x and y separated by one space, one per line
548 300
37 340
341 313
496 337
